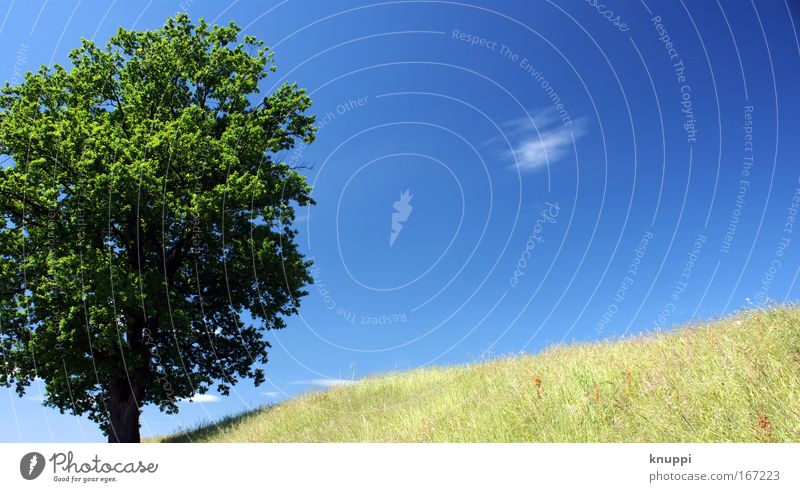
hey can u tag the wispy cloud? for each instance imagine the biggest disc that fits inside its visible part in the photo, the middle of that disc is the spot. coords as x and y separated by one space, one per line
539 119
549 147
271 394
327 383
540 138
206 398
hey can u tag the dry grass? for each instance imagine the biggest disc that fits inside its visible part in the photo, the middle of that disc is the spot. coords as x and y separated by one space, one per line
733 380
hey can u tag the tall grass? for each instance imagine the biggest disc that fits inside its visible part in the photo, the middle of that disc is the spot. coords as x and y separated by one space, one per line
733 380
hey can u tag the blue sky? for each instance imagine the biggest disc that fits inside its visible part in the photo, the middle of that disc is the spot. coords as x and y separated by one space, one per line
575 171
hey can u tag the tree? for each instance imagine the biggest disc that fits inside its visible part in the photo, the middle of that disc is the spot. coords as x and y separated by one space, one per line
145 214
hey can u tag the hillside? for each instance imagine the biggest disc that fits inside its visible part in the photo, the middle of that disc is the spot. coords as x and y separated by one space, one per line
733 380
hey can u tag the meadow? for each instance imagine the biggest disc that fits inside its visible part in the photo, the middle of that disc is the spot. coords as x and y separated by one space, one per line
731 380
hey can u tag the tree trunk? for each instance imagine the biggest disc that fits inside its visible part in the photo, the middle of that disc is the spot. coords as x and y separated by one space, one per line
123 412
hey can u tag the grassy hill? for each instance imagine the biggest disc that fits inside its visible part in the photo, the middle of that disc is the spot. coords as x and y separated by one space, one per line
733 380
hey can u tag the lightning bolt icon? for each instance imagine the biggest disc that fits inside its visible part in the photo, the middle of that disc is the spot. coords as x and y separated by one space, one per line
32 465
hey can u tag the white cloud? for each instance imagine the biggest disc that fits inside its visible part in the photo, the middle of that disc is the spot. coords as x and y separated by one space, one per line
540 139
271 394
537 119
547 147
206 398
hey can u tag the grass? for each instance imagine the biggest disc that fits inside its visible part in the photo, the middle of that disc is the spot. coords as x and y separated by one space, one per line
734 380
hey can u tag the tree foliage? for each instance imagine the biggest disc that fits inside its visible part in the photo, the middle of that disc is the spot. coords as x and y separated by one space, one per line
144 214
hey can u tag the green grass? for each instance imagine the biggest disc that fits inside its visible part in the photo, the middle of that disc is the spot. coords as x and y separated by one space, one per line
733 380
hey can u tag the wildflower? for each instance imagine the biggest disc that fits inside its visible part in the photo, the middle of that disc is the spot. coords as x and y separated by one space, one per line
764 427
537 381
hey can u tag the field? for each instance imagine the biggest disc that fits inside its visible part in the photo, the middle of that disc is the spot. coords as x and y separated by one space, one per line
734 380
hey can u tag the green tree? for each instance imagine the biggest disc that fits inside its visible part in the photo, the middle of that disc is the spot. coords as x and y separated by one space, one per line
145 213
